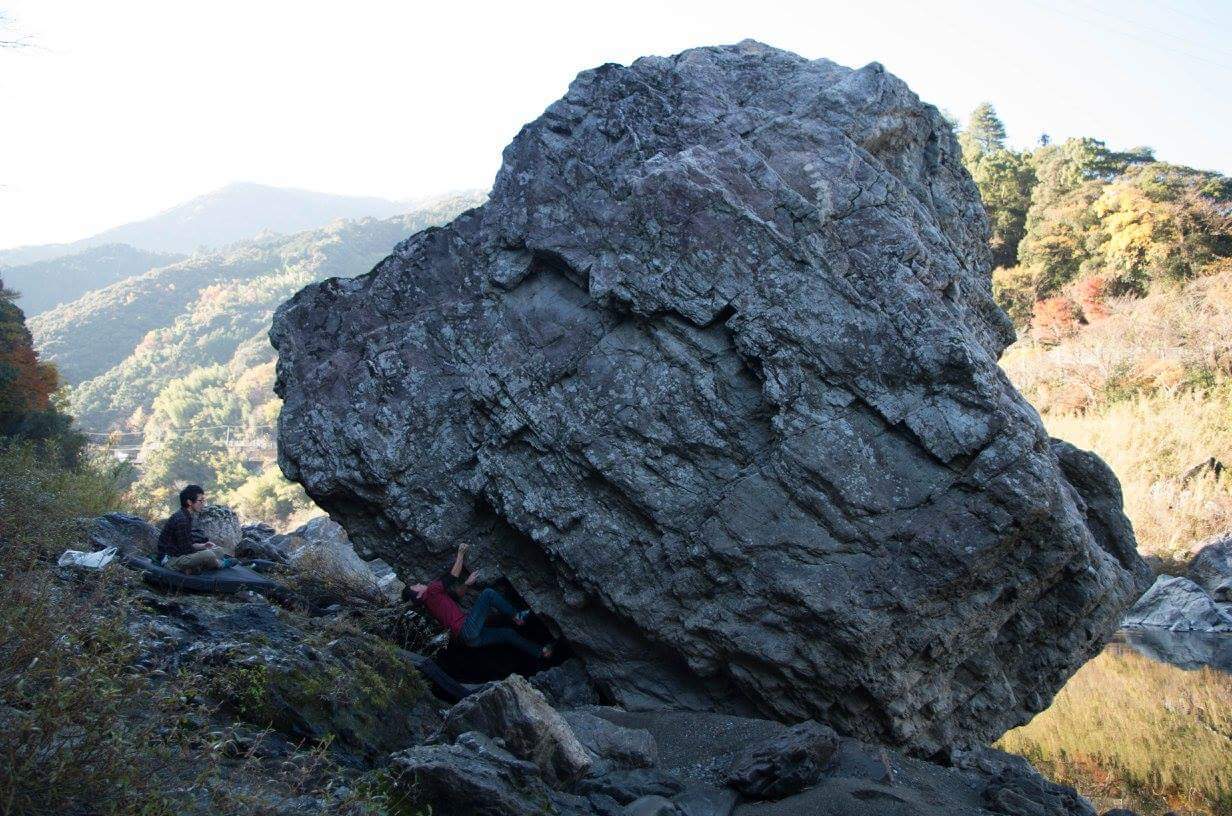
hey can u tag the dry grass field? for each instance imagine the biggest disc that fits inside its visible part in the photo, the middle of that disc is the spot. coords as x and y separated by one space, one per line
1149 389
1130 732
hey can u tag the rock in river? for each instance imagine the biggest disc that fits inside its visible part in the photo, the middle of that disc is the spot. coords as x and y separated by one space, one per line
712 378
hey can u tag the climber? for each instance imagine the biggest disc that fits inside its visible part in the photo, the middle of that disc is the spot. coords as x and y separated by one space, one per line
471 627
182 551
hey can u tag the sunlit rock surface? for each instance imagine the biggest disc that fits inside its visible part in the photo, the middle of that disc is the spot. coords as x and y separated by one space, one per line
712 378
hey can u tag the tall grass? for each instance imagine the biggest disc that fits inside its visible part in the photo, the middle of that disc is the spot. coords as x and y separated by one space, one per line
1149 442
69 740
1149 389
1129 732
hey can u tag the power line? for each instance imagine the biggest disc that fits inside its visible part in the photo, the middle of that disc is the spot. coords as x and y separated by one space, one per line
1137 23
1150 42
186 429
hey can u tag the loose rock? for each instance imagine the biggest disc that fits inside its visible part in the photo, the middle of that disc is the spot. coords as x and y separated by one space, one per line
784 765
623 747
516 713
1212 562
221 525
1179 605
471 776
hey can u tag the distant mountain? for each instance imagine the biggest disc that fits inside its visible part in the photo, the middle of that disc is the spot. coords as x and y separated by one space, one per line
234 213
119 345
45 284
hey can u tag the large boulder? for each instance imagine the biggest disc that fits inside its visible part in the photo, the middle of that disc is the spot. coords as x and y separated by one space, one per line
1212 562
516 713
712 378
220 524
1179 605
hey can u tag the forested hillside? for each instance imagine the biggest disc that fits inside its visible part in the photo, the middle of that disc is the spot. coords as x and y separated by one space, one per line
176 360
46 284
1117 270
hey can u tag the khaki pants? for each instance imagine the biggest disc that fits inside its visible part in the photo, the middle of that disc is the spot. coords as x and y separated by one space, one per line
195 562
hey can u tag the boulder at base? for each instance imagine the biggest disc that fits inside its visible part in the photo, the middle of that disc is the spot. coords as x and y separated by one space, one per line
1179 605
712 378
518 714
221 525
1212 563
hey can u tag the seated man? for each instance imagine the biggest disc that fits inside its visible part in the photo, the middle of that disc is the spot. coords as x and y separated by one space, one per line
177 550
472 627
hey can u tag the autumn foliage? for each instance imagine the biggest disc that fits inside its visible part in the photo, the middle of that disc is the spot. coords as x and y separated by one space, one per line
27 386
1055 318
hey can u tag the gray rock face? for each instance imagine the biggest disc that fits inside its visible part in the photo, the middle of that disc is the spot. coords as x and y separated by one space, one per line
128 534
712 378
1179 605
566 685
221 525
1212 562
784 765
517 713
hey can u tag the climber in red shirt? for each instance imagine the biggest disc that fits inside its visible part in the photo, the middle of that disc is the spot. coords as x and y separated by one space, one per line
472 627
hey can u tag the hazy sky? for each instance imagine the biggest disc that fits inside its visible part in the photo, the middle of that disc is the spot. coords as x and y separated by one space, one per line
125 108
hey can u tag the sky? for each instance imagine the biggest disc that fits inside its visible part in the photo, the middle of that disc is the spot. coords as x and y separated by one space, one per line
115 111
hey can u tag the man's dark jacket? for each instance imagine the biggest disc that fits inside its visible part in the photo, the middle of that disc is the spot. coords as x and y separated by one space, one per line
177 536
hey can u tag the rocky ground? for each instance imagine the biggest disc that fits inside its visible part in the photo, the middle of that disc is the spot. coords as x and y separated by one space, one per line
324 709
1198 601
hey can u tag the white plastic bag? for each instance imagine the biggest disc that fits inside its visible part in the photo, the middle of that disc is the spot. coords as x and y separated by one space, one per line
87 560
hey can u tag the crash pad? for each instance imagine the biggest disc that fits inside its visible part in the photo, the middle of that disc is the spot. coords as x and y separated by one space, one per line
223 581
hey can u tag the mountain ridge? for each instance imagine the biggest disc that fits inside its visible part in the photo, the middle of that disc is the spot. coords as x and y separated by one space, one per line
221 217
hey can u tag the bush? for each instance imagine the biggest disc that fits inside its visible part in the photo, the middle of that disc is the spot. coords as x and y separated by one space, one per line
269 497
1055 318
1092 294
1149 389
1014 290
68 740
41 500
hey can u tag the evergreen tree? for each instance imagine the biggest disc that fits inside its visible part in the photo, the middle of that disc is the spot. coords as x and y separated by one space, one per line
1004 178
985 133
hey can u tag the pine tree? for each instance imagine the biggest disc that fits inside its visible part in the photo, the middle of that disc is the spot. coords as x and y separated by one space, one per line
1004 178
985 133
